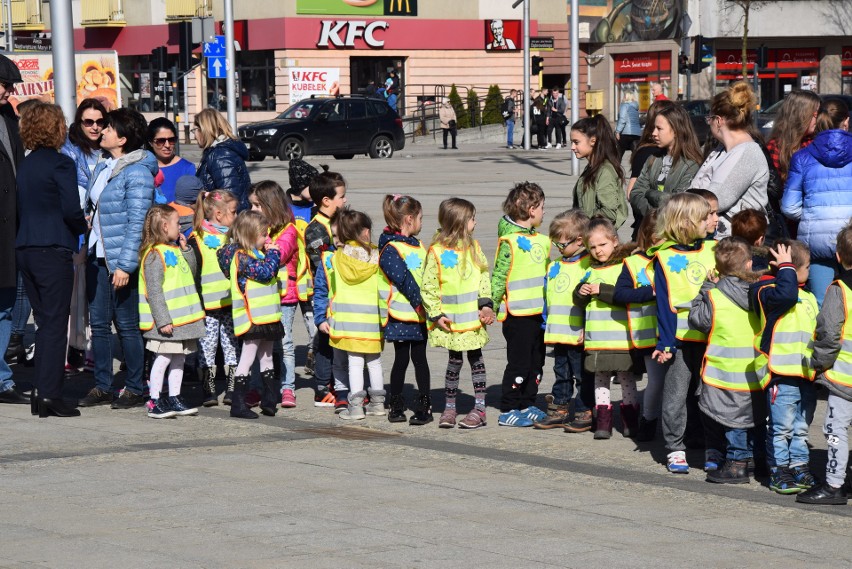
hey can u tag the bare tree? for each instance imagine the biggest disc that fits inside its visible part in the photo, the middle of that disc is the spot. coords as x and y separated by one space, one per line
746 6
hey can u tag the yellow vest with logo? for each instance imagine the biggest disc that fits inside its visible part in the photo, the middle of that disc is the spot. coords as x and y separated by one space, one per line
685 271
841 372
792 341
178 289
215 287
607 327
731 361
355 311
642 317
458 281
259 304
303 278
565 320
399 307
525 281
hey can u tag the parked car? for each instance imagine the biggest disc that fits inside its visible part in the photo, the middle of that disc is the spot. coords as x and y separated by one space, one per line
766 117
341 126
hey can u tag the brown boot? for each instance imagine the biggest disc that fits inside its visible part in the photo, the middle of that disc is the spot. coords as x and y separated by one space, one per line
581 423
557 415
603 430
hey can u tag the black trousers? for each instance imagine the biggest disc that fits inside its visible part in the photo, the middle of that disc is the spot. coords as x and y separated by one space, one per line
452 132
48 274
524 361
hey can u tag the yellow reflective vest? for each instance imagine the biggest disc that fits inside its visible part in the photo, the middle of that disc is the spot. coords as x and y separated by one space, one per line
607 327
685 271
458 281
731 362
259 304
565 320
525 281
792 341
178 289
356 311
641 317
399 306
841 372
303 278
215 287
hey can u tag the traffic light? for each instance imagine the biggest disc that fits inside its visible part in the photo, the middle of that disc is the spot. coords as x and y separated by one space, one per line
683 64
702 52
185 59
537 64
159 58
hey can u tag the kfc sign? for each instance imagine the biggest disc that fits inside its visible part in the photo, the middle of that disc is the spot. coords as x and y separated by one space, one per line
343 33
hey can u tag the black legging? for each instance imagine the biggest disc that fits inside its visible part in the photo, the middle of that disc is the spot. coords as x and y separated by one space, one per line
416 352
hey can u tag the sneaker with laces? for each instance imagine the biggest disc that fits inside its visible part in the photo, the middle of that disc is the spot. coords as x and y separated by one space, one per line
781 481
549 145
340 405
96 397
473 420
127 400
324 398
713 460
448 419
677 462
534 414
158 409
558 146
177 405
803 477
514 418
288 399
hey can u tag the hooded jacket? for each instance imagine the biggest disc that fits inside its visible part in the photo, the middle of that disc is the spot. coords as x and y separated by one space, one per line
223 166
818 191
354 266
122 207
396 270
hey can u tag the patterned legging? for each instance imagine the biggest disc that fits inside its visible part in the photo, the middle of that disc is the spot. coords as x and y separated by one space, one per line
219 326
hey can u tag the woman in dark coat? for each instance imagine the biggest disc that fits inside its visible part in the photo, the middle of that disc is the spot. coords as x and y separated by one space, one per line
223 162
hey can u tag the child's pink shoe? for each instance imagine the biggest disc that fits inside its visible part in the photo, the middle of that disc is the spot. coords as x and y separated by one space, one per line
288 399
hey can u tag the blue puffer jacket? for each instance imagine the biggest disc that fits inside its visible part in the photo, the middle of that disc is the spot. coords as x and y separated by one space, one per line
81 164
223 167
819 191
122 207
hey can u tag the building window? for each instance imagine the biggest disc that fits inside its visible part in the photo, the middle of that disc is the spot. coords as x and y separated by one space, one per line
148 92
255 83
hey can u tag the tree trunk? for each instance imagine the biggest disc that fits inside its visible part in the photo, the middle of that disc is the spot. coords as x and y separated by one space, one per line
745 5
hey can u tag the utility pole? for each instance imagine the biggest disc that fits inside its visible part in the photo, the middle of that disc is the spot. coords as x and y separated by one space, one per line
575 76
7 10
526 97
64 80
231 60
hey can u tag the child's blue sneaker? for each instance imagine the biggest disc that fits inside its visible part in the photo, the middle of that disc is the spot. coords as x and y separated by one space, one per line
782 481
803 477
534 414
677 462
159 409
177 405
713 460
514 418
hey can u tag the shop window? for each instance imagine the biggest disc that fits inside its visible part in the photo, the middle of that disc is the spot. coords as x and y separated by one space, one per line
148 93
255 83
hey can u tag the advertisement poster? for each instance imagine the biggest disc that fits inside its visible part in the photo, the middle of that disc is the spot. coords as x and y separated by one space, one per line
96 74
503 35
307 81
357 7
630 20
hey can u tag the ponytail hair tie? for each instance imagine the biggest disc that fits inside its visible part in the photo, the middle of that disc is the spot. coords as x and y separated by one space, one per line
396 197
206 193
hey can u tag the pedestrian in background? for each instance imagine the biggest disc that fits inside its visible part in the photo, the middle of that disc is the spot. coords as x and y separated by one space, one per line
628 129
508 112
447 116
162 141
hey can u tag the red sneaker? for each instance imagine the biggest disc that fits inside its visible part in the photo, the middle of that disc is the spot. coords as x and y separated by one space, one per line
288 399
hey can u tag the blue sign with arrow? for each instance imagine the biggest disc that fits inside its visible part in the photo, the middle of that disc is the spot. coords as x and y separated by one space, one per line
217 67
215 49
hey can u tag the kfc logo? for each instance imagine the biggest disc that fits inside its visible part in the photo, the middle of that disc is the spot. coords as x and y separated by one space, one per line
343 33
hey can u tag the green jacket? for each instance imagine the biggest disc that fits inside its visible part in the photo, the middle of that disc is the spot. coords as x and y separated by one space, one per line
503 260
645 195
605 197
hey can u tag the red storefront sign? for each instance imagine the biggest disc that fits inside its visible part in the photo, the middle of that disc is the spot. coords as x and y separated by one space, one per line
642 67
846 61
795 58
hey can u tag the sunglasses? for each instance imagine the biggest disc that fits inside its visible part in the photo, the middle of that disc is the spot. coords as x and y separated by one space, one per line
162 141
89 123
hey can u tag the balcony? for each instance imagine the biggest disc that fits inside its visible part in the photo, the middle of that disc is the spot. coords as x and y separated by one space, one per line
26 15
103 14
180 10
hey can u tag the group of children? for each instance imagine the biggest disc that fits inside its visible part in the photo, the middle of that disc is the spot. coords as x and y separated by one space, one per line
729 353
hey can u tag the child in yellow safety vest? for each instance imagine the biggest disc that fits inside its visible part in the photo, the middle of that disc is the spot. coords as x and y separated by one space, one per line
607 329
402 260
170 312
563 325
731 396
294 280
357 310
215 211
680 265
788 316
456 293
251 263
517 284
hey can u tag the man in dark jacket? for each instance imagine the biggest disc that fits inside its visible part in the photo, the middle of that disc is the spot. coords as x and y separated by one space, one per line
11 154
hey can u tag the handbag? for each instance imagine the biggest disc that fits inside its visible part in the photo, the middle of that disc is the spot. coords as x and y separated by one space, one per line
78 333
452 124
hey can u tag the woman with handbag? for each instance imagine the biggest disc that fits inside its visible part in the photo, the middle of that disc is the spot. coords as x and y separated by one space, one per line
447 116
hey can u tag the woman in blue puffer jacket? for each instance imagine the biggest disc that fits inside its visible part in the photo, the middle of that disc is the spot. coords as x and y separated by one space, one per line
818 192
223 162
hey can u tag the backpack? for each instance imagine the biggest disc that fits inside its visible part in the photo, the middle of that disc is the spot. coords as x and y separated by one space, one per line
504 108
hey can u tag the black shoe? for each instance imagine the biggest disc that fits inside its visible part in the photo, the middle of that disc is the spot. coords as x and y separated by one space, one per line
271 379
96 397
13 397
15 348
128 400
824 494
238 403
732 472
208 386
647 430
422 410
396 409
55 407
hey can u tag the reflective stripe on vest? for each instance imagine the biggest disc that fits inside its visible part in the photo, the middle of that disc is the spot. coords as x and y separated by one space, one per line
259 304
215 287
792 343
415 259
356 311
458 282
564 323
178 287
303 278
606 324
685 271
641 317
841 372
525 281
730 362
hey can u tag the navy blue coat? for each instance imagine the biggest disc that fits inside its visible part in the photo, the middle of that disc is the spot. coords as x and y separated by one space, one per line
397 272
223 167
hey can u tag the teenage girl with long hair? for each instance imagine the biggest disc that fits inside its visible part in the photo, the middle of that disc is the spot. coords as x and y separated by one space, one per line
598 191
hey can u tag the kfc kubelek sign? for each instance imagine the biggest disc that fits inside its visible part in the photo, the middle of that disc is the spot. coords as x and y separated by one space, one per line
307 81
343 33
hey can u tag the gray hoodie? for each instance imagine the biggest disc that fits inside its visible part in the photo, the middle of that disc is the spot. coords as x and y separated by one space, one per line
829 336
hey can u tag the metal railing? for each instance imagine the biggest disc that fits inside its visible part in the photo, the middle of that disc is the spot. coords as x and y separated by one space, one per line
103 13
177 10
26 14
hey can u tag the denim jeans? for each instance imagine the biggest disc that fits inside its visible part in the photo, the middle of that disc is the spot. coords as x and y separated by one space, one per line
568 369
821 275
288 355
120 307
790 402
21 312
510 132
7 301
740 444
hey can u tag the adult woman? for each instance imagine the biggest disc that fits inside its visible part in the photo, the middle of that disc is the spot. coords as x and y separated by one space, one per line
161 140
447 116
50 222
674 171
737 173
120 195
627 129
83 144
817 192
223 162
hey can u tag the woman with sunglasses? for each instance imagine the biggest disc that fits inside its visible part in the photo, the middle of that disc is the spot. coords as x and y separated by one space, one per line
84 142
162 142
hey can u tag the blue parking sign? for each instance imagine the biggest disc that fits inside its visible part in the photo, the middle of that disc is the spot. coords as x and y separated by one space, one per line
217 67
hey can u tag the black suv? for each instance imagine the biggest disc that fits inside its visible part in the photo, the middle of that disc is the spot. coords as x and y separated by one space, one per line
340 126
